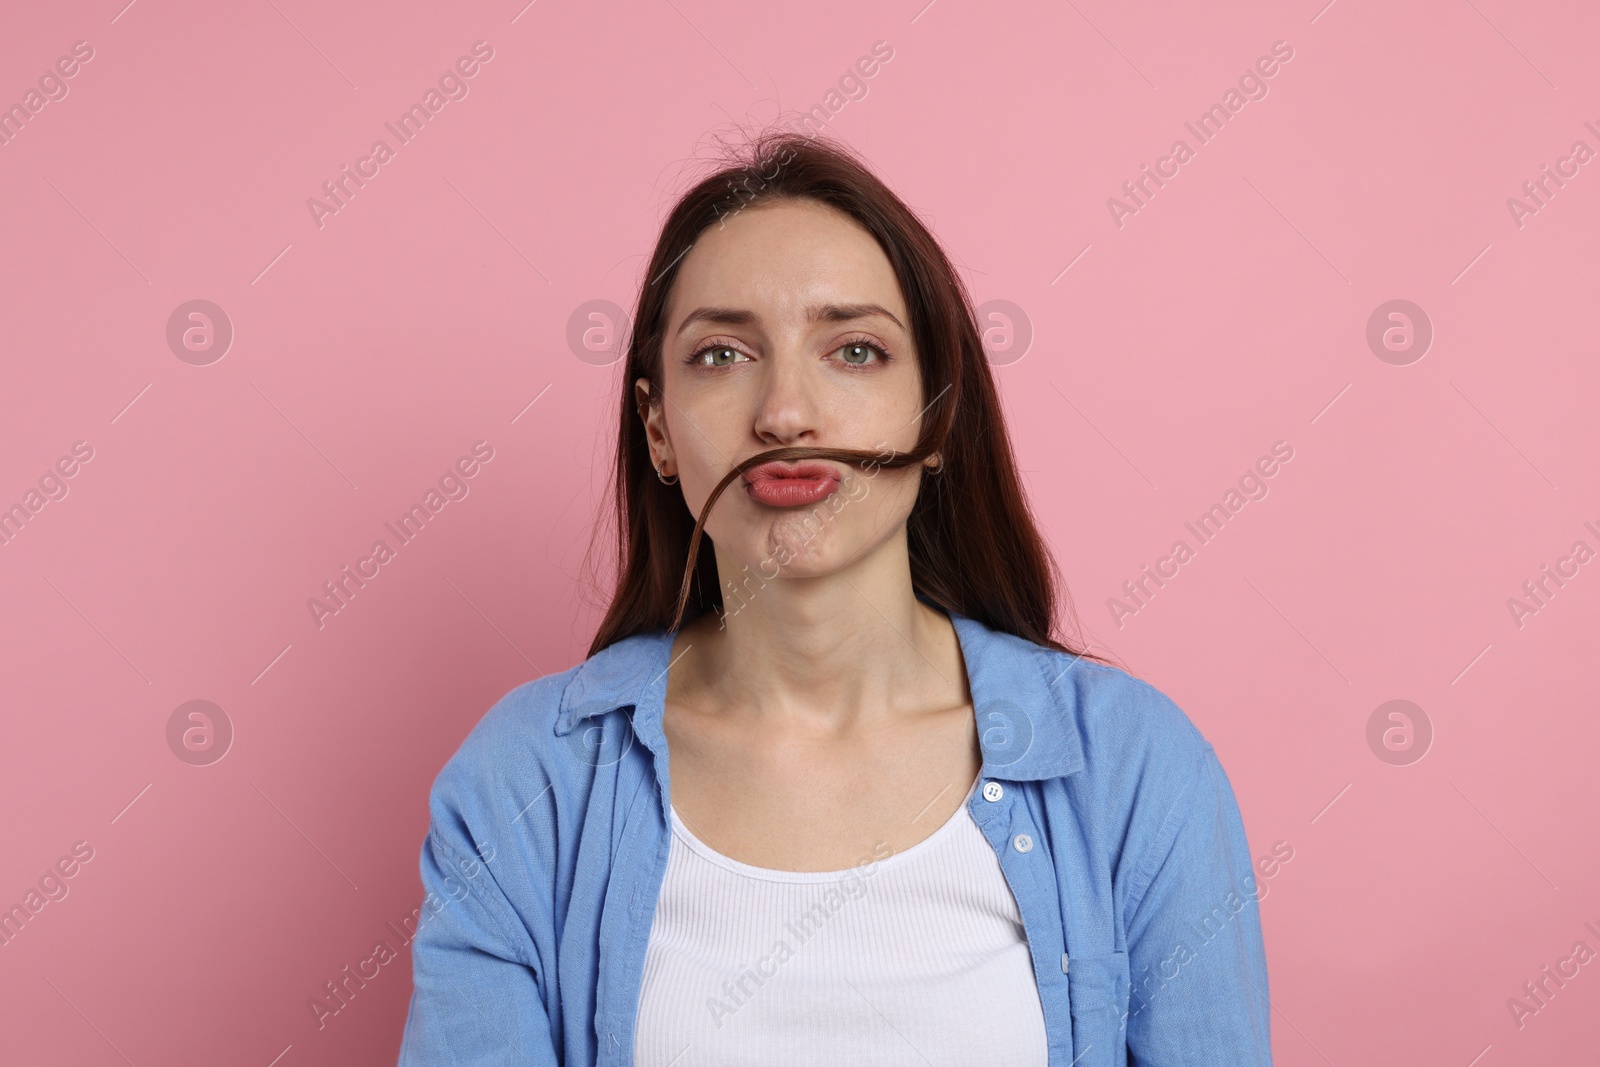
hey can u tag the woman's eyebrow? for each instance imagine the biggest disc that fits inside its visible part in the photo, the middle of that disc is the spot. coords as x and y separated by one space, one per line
819 313
848 313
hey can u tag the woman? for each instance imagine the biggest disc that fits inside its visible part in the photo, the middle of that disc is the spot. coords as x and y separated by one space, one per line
829 792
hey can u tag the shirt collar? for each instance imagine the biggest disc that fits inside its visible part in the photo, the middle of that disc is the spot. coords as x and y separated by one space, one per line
1027 722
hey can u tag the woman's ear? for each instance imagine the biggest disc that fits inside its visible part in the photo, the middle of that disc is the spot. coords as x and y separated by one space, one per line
655 426
641 397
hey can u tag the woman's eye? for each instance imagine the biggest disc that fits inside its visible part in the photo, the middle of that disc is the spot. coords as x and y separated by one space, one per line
859 352
855 353
718 356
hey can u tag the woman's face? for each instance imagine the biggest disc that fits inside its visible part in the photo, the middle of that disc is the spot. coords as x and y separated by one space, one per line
786 326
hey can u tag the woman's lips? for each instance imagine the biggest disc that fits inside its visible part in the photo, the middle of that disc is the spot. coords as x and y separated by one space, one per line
785 485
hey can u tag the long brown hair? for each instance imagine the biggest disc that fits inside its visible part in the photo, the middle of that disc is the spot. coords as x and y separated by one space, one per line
973 544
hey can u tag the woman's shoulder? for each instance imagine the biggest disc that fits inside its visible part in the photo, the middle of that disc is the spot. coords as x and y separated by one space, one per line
1111 700
1128 730
541 731
1144 770
508 747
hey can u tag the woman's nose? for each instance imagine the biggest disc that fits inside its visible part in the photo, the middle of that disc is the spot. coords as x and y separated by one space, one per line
786 409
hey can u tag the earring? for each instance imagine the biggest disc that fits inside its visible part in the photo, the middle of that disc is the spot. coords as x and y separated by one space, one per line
664 481
937 467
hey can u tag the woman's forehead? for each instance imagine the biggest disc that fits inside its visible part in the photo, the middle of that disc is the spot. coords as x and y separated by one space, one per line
783 261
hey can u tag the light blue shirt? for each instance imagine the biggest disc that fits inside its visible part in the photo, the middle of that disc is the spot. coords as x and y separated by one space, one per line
1112 821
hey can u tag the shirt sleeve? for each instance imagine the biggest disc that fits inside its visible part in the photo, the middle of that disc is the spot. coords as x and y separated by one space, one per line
478 993
1196 961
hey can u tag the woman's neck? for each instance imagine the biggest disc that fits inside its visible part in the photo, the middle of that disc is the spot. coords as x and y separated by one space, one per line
834 650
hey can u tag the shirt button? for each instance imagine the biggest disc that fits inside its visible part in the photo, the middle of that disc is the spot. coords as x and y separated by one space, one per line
993 791
1022 843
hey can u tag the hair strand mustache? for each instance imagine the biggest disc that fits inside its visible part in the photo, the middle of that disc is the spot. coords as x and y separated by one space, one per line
792 452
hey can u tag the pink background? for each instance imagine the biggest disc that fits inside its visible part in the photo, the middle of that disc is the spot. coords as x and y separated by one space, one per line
1228 313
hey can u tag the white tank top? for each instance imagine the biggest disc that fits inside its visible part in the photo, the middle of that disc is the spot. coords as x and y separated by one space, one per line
900 962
